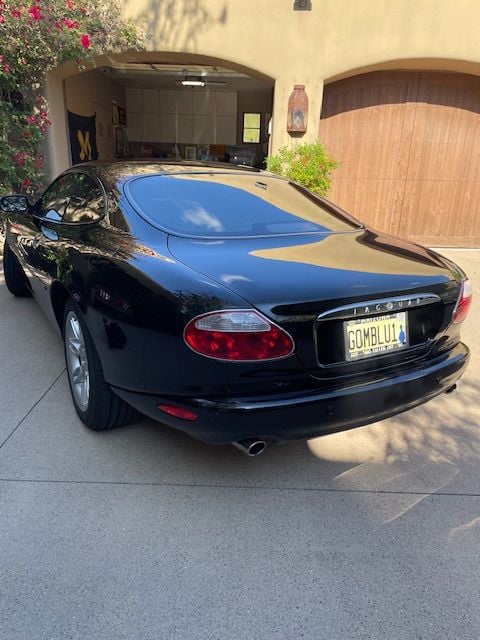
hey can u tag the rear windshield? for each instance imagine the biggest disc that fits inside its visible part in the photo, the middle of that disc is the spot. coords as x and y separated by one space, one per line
218 205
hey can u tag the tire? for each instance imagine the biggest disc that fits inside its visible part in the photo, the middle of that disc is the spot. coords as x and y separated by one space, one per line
97 406
15 278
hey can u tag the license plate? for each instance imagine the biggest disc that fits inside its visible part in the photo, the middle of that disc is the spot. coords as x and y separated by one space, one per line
366 337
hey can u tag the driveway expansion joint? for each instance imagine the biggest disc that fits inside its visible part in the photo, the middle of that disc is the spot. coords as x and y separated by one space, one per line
33 407
173 485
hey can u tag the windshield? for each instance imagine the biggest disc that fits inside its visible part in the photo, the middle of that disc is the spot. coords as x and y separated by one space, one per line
219 205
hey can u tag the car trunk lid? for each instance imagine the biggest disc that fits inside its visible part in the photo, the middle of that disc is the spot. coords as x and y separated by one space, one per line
295 279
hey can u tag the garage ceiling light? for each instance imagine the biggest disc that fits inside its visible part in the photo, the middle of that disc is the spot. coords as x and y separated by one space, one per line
193 81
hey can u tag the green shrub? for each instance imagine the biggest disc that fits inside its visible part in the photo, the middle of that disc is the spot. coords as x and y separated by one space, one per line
308 164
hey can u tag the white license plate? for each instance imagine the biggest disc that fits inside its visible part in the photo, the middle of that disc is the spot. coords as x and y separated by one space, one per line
366 337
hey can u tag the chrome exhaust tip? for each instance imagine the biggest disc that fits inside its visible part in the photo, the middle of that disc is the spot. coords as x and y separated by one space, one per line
451 389
251 447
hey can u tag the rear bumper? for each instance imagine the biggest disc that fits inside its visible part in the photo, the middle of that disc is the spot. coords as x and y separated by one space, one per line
297 417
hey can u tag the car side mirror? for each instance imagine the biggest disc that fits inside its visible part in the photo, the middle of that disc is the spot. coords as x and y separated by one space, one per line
14 204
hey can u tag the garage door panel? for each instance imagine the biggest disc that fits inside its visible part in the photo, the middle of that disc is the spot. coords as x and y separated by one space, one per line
408 144
461 127
428 161
433 207
365 160
408 122
462 163
356 196
437 125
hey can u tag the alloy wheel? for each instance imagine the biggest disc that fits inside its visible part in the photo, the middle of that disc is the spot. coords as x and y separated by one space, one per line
77 361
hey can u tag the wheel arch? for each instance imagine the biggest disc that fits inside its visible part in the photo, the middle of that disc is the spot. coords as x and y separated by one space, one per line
59 295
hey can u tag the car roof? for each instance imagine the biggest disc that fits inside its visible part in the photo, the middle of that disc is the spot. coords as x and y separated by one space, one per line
110 173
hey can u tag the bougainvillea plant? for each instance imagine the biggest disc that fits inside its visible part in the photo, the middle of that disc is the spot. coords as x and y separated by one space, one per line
36 37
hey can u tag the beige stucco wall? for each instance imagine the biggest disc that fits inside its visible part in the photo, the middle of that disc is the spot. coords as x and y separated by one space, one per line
335 39
311 47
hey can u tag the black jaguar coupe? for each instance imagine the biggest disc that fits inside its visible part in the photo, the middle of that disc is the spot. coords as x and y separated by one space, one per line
230 303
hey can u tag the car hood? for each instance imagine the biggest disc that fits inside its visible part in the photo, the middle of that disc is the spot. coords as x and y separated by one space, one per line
287 271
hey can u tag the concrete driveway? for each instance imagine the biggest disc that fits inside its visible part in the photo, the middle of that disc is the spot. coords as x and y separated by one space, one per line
143 533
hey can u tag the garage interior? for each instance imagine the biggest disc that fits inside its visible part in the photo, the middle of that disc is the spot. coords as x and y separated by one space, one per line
174 111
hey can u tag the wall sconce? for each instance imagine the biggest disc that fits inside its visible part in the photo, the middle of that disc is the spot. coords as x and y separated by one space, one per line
297 115
302 5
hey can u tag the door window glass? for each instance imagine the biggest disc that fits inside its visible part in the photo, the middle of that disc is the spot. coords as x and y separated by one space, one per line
74 197
54 201
86 202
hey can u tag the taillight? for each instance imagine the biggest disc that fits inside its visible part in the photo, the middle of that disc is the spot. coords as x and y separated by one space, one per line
464 301
238 336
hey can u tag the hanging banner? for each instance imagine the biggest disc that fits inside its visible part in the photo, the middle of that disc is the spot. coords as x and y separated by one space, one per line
83 137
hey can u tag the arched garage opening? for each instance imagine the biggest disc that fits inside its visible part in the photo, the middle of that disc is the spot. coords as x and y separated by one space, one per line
408 143
149 104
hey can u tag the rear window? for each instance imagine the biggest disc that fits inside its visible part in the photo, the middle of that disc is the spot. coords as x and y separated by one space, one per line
231 206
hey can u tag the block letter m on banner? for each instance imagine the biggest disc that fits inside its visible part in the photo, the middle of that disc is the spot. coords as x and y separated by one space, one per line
85 146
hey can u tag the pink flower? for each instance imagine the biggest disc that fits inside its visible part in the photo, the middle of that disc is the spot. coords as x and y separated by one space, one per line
34 12
31 119
26 183
15 13
38 163
19 159
7 67
71 24
2 19
85 41
70 4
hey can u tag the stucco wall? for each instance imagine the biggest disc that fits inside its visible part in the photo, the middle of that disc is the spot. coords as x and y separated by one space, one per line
311 47
335 39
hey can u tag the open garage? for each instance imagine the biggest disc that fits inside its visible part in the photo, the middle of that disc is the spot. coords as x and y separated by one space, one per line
172 110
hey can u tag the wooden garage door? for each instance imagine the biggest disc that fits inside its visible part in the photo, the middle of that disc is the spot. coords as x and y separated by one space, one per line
409 148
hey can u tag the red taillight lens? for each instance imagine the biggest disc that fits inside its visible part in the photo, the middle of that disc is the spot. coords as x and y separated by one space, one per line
178 412
464 302
238 336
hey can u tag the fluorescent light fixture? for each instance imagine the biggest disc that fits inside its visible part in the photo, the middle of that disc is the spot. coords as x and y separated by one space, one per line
193 81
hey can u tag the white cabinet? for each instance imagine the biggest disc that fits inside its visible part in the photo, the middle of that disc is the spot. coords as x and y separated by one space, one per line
198 116
202 102
168 127
134 99
184 101
225 130
152 127
135 126
225 103
150 100
167 101
203 129
185 127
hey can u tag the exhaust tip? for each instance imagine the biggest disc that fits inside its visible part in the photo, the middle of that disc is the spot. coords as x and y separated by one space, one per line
451 389
251 447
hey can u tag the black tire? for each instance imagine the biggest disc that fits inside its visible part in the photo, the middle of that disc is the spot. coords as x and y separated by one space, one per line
105 409
15 278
